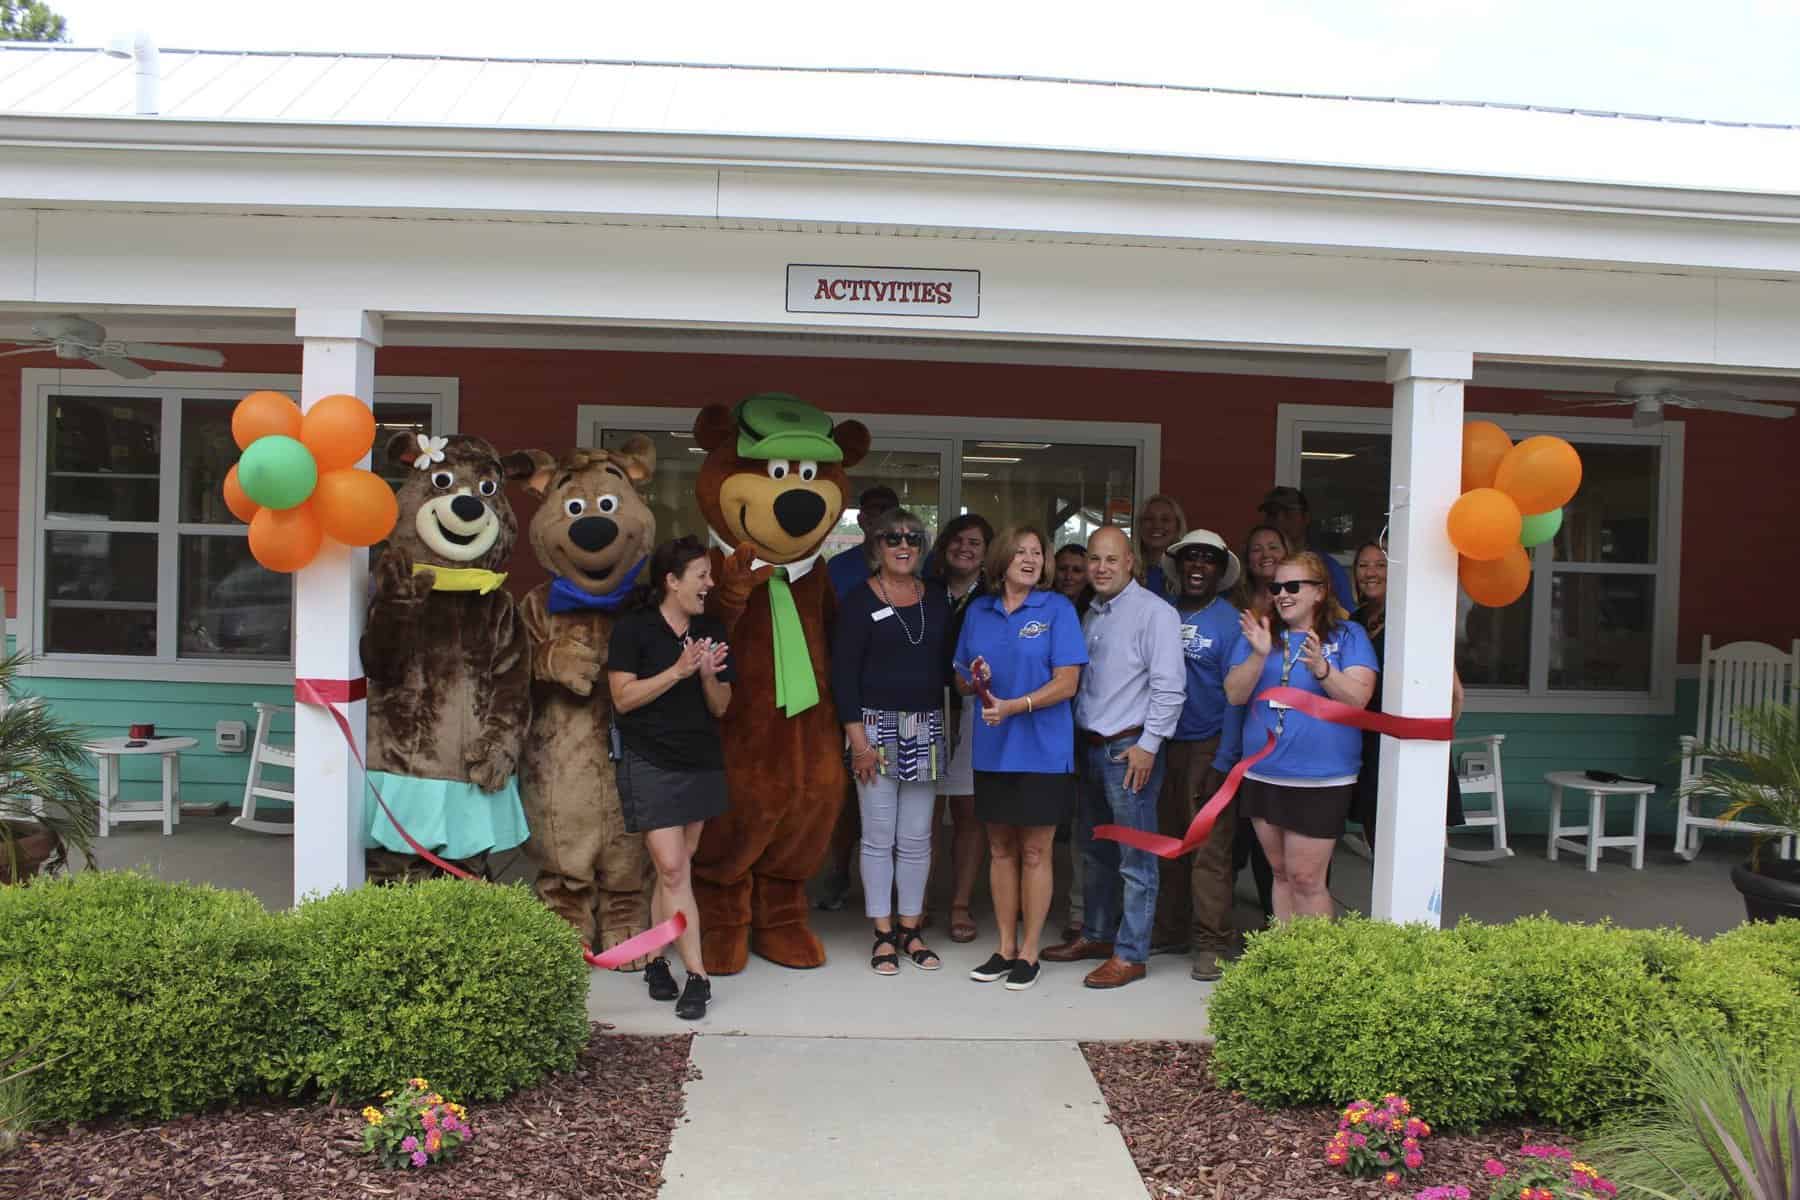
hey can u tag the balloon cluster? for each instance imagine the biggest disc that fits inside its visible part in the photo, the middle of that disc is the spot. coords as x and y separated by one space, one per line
1511 500
297 481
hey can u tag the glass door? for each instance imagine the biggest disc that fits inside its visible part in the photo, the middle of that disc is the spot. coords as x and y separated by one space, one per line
917 470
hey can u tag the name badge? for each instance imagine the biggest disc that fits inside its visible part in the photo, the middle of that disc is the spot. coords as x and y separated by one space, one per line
881 614
1279 704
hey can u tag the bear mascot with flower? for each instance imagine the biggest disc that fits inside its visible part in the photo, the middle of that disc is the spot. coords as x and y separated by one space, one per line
771 489
447 662
592 533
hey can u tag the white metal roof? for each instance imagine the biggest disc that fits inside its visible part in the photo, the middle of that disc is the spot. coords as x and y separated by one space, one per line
915 107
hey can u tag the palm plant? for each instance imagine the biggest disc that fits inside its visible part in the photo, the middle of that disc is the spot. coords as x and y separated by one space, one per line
1762 774
44 791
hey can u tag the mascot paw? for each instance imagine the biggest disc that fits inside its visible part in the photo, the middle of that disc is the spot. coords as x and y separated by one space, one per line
576 665
725 951
736 578
789 946
489 769
395 582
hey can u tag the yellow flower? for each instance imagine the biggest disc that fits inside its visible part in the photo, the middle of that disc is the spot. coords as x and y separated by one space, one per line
434 1098
418 1083
372 1115
388 1095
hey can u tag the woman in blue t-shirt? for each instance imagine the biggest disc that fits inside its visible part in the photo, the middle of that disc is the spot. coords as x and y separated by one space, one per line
1298 796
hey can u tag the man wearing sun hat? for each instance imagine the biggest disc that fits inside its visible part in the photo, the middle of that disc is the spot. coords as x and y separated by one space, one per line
1193 904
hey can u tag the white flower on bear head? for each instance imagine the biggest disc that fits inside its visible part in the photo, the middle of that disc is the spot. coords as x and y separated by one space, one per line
431 450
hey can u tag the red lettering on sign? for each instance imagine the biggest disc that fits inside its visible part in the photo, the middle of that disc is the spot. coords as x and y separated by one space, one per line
824 292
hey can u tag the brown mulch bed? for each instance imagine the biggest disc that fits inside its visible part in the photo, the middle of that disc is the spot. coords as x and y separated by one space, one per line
602 1130
1191 1138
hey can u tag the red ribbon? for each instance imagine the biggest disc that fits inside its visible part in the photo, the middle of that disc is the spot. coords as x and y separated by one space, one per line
329 693
1426 729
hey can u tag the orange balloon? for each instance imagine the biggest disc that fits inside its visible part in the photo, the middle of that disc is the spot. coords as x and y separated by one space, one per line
1497 582
261 413
1540 473
285 539
1484 445
338 430
1484 524
242 507
354 506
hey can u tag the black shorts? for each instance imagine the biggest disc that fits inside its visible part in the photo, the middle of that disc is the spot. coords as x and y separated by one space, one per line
1023 797
651 797
1316 812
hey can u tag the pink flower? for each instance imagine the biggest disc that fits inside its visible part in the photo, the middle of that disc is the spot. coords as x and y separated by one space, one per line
1357 1139
410 1144
1415 1128
1494 1167
419 1159
433 1140
1414 1160
1392 1180
1411 1143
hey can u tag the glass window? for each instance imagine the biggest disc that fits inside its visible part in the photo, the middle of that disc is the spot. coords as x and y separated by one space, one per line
207 454
1613 517
101 597
104 458
915 476
391 419
1493 645
1346 486
1600 638
1068 490
231 608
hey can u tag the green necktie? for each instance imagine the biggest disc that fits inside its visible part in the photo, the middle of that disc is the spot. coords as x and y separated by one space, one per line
795 688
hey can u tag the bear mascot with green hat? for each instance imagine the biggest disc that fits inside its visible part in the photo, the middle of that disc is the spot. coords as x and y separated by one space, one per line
771 489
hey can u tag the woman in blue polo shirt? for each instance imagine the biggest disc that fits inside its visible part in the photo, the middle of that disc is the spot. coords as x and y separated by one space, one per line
1297 797
1021 644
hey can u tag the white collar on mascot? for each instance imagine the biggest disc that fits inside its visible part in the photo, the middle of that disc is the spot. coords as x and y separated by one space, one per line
796 570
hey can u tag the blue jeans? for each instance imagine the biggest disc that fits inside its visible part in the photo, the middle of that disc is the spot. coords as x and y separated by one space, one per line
1120 888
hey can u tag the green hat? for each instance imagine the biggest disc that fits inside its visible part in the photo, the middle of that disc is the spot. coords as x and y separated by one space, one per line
777 425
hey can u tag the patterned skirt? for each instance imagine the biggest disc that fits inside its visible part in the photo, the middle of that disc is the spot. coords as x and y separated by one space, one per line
910 746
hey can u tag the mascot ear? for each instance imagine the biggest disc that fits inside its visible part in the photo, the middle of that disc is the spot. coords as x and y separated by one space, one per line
714 426
852 438
533 466
638 457
403 448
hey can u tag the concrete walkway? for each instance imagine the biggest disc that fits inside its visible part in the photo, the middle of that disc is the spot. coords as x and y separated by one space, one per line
810 1117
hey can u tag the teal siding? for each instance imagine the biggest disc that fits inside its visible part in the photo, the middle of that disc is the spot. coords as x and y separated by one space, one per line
108 707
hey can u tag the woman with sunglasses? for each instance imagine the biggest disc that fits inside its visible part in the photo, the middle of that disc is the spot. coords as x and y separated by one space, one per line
888 673
1369 571
1298 796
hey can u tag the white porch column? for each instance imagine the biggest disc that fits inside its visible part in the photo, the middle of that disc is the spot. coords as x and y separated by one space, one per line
1421 628
330 597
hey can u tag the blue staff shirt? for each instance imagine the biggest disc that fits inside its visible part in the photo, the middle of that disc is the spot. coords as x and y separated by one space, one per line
1231 739
1024 648
1311 752
1208 636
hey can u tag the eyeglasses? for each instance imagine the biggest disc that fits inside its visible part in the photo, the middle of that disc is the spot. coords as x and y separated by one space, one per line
911 537
1291 586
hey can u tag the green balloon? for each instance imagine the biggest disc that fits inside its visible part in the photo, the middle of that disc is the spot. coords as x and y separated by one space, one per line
277 472
1533 530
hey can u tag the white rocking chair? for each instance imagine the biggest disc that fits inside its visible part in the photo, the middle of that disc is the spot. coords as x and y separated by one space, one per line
1479 774
1735 676
264 753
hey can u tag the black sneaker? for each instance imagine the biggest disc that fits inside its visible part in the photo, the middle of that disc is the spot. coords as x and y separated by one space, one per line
1022 975
662 983
994 968
694 998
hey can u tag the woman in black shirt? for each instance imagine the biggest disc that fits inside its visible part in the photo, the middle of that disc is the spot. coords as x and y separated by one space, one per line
887 676
667 668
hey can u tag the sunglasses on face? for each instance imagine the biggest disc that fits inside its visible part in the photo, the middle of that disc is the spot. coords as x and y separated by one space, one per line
1203 554
1291 586
911 537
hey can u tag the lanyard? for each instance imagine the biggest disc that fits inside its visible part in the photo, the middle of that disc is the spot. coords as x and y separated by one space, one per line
1288 659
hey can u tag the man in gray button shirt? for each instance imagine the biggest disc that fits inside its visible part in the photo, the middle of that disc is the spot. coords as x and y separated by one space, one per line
1130 700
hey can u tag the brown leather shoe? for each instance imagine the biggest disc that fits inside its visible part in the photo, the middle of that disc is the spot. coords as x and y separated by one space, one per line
1077 950
1115 972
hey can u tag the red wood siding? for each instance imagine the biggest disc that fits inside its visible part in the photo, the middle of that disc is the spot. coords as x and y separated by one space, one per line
1218 438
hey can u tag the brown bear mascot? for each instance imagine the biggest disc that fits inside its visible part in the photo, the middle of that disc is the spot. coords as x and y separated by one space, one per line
771 489
592 533
447 663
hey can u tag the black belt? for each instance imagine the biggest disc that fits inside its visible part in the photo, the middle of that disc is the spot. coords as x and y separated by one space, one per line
1100 739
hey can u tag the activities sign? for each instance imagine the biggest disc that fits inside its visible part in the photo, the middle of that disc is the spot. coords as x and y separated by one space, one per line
883 291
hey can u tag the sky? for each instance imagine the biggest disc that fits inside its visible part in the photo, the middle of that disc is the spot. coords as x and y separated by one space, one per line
1729 60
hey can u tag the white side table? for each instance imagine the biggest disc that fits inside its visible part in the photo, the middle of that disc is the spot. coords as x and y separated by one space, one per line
107 753
1591 839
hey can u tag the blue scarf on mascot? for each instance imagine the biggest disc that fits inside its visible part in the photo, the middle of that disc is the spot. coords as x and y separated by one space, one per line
566 597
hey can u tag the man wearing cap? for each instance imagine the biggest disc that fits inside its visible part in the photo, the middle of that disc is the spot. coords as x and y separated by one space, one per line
1285 508
852 566
1193 897
1127 706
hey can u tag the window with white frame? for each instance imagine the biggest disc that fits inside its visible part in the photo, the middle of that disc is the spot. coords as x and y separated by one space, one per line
128 553
1596 629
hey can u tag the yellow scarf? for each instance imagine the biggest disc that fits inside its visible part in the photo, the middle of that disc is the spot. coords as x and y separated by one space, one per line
462 579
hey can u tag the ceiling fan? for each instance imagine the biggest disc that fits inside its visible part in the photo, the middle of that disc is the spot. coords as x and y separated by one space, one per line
1647 395
76 338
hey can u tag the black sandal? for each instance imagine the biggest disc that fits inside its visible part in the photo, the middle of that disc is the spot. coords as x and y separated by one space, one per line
880 958
924 958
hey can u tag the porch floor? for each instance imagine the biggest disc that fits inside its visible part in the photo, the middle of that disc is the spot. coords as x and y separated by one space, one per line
772 1001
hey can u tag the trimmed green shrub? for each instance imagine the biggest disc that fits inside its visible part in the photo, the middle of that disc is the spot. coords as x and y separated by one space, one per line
1318 1012
159 998
481 990
1773 945
1730 995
